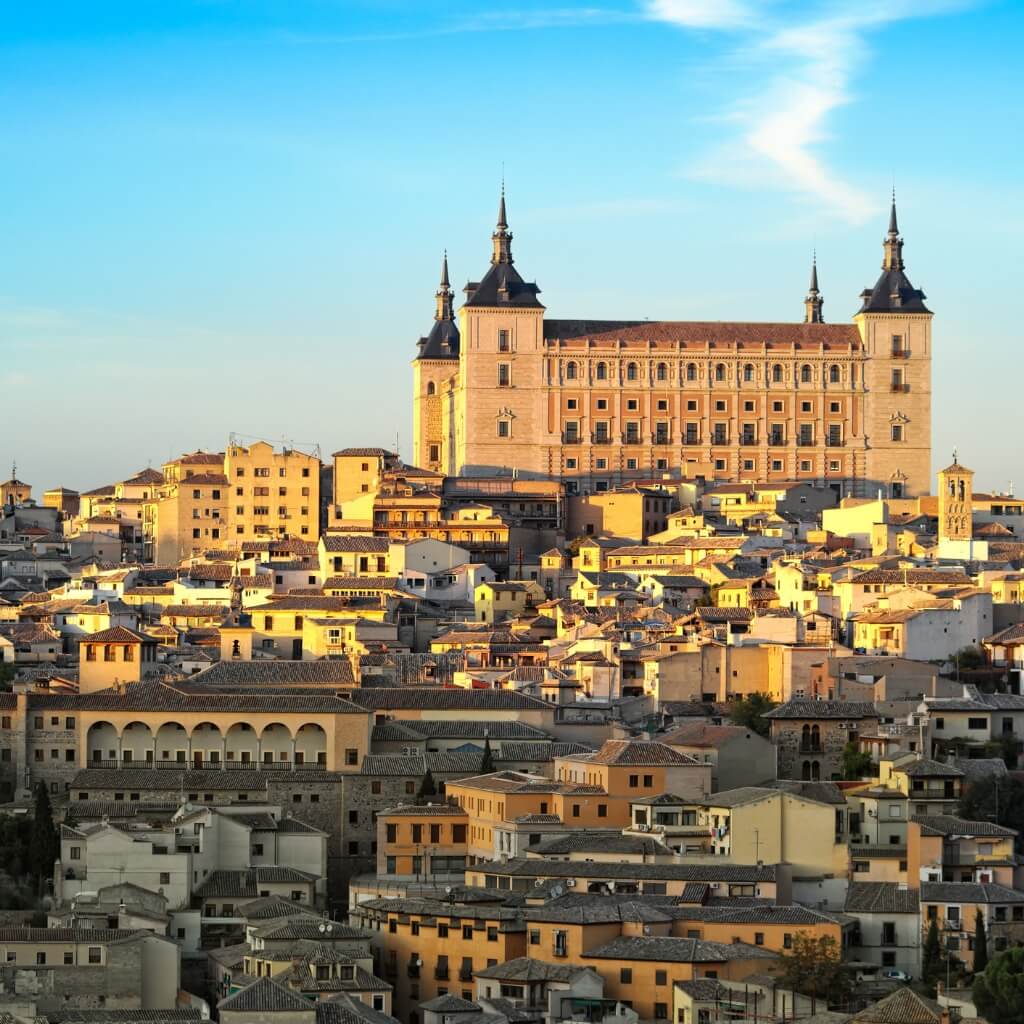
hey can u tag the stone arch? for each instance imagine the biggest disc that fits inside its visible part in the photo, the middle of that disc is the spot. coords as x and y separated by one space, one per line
777 373
691 371
806 374
137 742
310 744
661 371
276 744
172 744
601 371
570 370
834 374
102 742
241 744
720 371
632 371
748 372
207 744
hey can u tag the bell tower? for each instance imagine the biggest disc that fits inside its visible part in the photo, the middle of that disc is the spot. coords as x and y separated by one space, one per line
956 498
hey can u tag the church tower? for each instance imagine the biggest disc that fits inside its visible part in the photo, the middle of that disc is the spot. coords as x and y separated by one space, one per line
956 503
434 372
896 332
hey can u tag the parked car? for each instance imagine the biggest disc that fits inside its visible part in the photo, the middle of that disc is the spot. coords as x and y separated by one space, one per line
892 974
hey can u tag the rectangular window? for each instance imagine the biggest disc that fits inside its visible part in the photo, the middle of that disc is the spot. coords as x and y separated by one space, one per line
503 428
504 344
896 432
504 375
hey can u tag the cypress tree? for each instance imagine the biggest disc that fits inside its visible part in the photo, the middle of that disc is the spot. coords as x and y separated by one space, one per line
980 944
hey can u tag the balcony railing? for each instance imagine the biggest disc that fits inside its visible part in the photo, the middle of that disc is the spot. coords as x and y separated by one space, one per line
898 387
747 440
570 439
811 748
599 438
720 439
465 974
441 973
413 970
206 765
664 438
805 442
692 439
631 439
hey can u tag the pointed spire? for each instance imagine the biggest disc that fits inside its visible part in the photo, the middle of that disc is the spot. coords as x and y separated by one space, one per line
893 244
502 237
813 302
444 293
502 217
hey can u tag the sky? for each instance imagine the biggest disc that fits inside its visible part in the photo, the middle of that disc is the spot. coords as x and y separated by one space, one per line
228 217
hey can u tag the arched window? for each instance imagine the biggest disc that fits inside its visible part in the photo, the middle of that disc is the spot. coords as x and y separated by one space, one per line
748 372
805 374
805 771
777 373
570 371
431 388
833 374
602 371
691 371
631 371
720 371
662 371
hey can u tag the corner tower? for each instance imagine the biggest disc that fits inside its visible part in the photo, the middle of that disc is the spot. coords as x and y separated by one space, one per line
501 402
434 375
896 332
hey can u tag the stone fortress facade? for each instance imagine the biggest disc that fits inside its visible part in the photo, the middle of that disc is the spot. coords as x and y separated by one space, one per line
500 387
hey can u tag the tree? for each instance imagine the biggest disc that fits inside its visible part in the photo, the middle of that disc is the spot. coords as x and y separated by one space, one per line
427 786
45 840
994 798
815 968
487 764
931 957
856 763
7 674
980 944
999 992
749 712
968 658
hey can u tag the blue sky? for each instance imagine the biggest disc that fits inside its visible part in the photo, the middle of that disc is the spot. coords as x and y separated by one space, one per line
228 216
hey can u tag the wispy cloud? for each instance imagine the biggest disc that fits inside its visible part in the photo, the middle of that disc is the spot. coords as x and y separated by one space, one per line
480 21
799 64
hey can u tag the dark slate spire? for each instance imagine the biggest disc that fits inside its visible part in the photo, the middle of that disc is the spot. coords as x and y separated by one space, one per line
443 340
444 294
813 302
893 244
502 237
893 292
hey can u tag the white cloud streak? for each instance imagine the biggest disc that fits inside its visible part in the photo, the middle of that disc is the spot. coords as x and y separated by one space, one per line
799 62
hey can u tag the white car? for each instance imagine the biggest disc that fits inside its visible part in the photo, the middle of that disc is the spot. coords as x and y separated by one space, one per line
892 974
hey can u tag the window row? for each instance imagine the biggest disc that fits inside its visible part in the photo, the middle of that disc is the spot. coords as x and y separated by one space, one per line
718 372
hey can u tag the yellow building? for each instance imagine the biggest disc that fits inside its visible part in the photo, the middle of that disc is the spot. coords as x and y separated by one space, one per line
187 512
116 655
600 403
272 493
